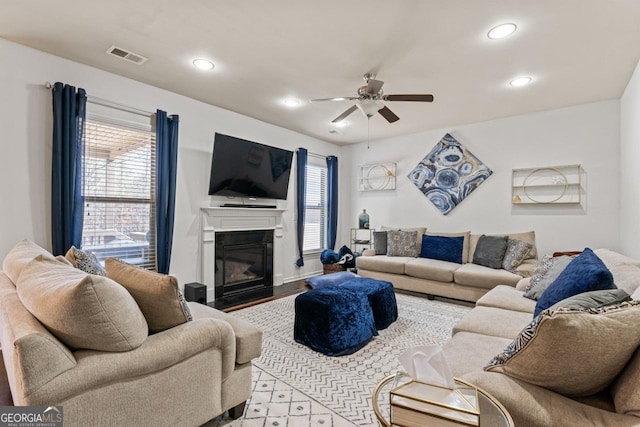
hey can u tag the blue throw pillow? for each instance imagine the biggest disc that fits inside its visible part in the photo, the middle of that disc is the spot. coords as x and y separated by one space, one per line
330 279
443 248
585 273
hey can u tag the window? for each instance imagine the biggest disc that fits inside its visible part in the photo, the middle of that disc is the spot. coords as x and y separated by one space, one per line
315 213
119 192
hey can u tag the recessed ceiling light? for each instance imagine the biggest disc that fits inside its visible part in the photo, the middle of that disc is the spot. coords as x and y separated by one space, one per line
502 30
520 81
203 64
291 102
341 123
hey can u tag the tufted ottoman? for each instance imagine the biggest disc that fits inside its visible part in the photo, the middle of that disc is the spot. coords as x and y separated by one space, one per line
381 296
334 321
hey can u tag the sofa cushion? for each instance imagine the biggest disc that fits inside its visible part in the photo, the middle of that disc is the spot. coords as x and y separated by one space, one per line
490 251
593 299
492 321
529 237
418 230
85 261
248 337
432 269
380 242
626 388
330 279
549 271
82 310
586 272
383 263
517 251
465 244
468 352
157 295
19 256
402 243
483 277
508 298
443 248
589 348
626 276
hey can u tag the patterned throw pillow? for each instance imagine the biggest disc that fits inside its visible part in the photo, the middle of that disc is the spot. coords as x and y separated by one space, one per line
556 267
588 348
541 269
85 261
402 243
517 251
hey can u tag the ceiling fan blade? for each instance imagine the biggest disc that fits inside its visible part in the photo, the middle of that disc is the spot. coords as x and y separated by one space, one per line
388 114
374 86
339 98
344 115
416 98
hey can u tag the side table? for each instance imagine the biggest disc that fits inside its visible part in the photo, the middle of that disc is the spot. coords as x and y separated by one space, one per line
492 413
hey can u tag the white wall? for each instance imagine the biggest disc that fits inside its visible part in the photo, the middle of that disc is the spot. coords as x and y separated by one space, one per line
629 165
25 171
585 134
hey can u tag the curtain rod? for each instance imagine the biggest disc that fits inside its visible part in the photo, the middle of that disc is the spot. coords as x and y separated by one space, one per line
319 156
111 104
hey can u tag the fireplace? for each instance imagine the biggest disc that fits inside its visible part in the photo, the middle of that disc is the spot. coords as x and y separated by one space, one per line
243 265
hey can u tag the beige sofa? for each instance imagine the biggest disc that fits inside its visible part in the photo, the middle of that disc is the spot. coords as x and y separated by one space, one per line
467 281
498 318
184 375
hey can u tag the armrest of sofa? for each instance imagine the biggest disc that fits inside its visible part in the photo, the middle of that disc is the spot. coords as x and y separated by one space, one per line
158 353
248 337
32 355
535 406
369 252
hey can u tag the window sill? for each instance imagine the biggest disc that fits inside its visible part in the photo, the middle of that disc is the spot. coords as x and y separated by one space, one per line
313 252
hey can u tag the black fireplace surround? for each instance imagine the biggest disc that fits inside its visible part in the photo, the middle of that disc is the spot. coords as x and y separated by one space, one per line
243 266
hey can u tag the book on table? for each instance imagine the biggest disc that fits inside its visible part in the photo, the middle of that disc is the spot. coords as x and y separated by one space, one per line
417 404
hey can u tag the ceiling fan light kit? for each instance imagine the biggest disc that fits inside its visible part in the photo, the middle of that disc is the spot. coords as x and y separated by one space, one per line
371 99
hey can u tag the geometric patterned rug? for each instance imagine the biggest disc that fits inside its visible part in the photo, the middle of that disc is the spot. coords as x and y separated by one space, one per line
297 387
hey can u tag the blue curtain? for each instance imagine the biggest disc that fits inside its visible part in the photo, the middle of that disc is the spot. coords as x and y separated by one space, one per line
332 201
67 202
166 167
301 187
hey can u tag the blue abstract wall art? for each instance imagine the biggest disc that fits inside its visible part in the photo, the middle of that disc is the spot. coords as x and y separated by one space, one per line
448 174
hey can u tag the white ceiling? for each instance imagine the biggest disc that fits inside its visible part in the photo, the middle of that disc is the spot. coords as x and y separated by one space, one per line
577 51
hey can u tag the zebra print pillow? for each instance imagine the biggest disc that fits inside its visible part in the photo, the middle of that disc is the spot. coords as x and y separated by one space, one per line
571 351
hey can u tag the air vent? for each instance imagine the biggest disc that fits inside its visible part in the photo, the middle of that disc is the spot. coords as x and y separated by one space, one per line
126 55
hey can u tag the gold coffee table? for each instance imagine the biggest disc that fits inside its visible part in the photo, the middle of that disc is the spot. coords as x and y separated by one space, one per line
492 413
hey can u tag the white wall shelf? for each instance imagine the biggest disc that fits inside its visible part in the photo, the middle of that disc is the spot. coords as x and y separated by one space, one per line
377 177
549 185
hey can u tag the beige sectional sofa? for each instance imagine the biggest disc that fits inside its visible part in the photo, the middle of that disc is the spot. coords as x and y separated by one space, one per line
498 318
184 375
467 281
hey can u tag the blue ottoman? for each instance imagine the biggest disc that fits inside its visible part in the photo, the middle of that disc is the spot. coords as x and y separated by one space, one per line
381 297
333 321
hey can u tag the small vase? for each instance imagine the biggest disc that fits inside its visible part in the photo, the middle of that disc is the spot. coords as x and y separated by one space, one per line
363 219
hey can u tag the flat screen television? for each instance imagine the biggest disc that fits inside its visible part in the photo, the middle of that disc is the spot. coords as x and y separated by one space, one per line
241 168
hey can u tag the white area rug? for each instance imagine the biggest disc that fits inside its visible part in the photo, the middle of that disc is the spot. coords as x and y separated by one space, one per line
296 387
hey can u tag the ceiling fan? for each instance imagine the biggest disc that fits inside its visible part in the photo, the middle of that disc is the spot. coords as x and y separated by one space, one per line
371 99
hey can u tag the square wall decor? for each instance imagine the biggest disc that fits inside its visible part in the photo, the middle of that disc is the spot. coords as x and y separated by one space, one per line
448 174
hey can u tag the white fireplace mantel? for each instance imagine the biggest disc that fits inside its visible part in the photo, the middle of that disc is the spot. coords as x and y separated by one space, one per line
220 218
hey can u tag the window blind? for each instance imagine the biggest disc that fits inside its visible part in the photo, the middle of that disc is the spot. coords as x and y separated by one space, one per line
119 193
315 208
